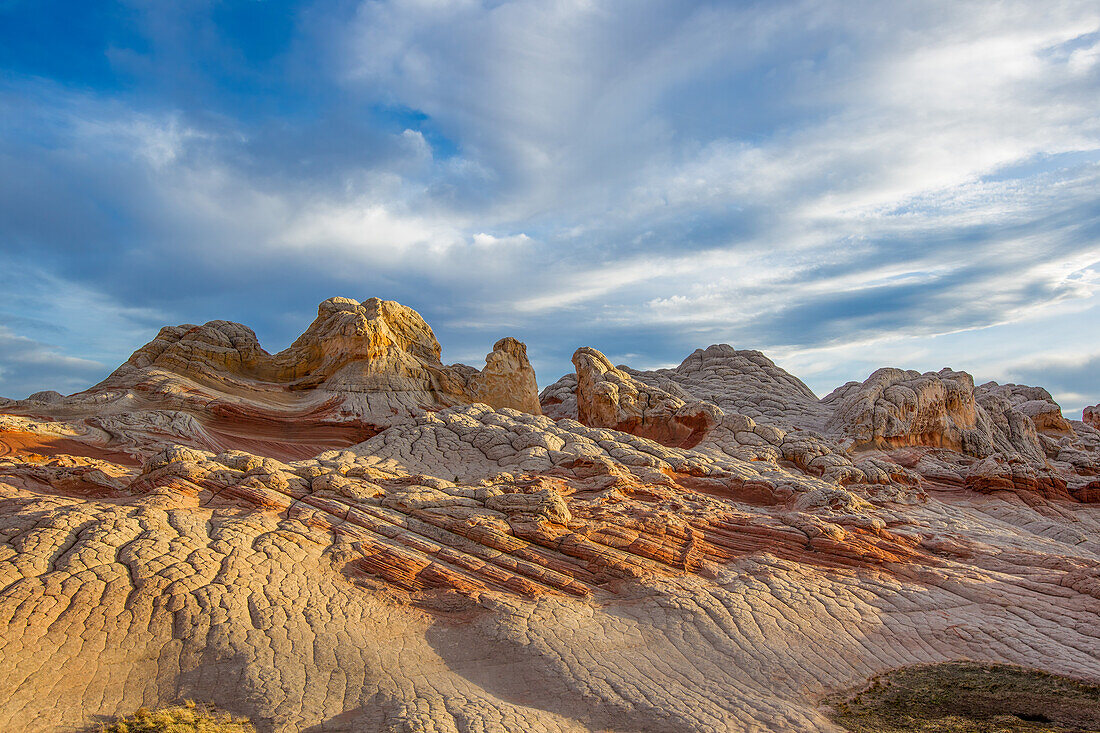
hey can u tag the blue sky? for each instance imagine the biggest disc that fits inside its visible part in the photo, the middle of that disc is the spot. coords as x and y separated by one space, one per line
841 184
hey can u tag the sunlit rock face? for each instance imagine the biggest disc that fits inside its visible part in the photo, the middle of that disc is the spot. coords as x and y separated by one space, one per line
896 408
358 368
612 398
377 346
350 535
507 379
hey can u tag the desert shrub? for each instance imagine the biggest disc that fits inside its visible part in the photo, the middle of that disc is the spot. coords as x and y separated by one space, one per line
186 718
968 697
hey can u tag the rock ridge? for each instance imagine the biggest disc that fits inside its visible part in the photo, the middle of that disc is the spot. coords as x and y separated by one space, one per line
351 535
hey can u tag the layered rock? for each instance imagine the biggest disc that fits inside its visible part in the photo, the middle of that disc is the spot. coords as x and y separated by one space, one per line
1034 402
48 397
896 408
379 355
1091 416
356 369
703 548
559 541
743 382
611 398
997 473
1018 432
886 432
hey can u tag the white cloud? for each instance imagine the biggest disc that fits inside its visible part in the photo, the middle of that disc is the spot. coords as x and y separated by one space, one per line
159 141
1084 60
488 241
581 287
414 140
703 170
28 366
366 232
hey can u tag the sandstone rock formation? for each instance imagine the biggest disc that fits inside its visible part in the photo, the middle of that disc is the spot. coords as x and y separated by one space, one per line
611 398
741 382
48 396
1091 415
349 535
356 369
378 356
507 379
896 408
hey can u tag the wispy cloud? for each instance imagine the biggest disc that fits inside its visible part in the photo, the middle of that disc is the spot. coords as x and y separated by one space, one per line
27 365
841 183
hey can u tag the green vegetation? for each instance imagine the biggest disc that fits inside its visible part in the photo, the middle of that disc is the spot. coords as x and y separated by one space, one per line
966 697
185 718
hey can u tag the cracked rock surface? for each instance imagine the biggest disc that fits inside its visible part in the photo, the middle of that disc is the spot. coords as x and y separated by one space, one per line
351 536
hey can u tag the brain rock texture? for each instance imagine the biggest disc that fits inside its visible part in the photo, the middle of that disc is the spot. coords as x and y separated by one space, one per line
350 535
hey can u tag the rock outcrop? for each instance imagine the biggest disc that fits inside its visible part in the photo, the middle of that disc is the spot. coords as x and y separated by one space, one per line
49 397
1033 402
742 382
351 535
896 408
611 398
356 369
507 379
893 431
1091 416
378 355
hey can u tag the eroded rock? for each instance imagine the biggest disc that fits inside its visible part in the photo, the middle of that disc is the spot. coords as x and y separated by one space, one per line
507 379
351 535
1091 416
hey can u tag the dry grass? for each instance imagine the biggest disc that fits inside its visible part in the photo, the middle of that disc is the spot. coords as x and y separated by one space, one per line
966 697
185 718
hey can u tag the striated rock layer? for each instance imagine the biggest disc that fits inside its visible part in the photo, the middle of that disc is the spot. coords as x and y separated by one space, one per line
358 368
349 535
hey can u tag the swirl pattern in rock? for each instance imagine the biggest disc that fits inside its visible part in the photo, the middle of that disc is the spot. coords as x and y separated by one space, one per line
350 535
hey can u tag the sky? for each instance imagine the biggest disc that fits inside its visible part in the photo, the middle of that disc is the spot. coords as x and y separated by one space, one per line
840 184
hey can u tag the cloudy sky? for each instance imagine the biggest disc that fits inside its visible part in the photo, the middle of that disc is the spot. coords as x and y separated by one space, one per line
841 184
